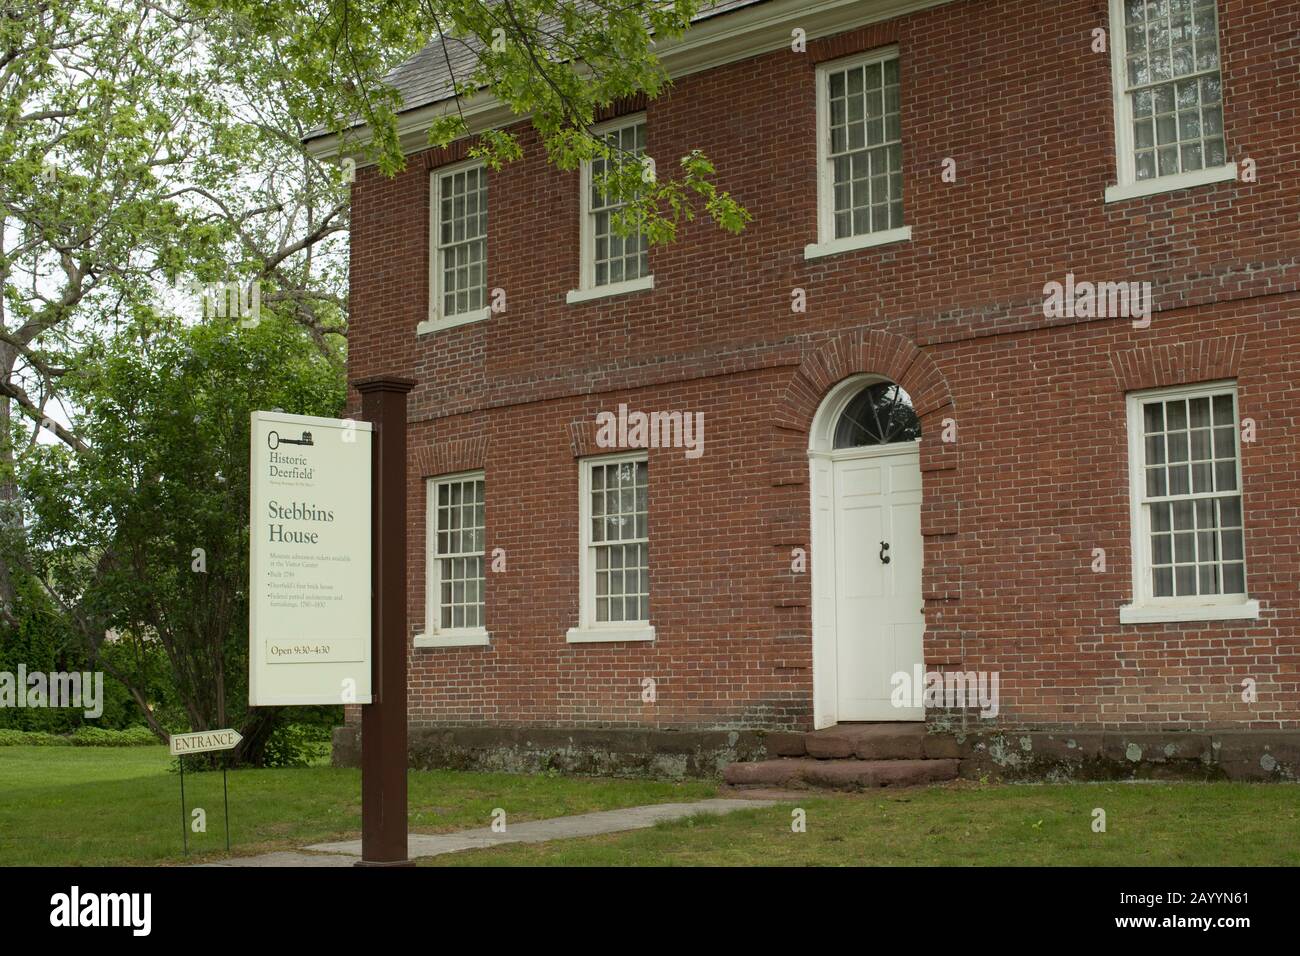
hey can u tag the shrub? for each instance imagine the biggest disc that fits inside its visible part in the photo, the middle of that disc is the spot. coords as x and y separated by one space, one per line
297 745
82 737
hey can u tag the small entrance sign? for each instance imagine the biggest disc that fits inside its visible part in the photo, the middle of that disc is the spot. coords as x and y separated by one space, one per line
202 742
309 636
205 741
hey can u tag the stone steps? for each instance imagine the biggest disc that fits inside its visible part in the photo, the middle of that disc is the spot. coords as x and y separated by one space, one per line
865 742
851 757
798 773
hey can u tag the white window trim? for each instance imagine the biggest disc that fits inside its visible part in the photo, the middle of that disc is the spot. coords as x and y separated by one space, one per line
827 244
1145 608
587 288
1168 184
588 630
816 250
1128 185
433 636
613 288
436 320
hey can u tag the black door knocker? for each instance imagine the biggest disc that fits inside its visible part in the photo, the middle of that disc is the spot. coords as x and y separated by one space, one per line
884 552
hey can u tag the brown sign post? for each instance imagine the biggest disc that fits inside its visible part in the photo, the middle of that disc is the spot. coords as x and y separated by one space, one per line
383 723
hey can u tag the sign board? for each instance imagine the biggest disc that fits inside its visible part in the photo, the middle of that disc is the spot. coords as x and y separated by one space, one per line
309 561
203 742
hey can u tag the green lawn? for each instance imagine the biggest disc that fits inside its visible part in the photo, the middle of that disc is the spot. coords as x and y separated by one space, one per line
1146 824
98 806
95 806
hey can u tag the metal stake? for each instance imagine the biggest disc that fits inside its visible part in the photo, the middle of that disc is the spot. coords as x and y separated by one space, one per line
225 796
185 830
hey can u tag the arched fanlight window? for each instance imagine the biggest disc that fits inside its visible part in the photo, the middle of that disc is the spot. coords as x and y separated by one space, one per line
880 414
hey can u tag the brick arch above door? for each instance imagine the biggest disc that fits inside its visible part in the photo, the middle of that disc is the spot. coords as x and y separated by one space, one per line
823 366
875 353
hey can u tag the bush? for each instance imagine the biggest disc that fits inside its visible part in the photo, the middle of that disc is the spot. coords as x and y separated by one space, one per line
297 745
41 641
82 737
100 737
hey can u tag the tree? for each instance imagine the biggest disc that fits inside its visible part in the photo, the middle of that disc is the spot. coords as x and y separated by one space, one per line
142 535
142 143
558 62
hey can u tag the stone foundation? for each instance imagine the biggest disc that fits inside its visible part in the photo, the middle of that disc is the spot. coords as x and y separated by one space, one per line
660 754
1054 756
1063 756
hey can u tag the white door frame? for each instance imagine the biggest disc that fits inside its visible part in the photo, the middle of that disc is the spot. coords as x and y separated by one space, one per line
821 457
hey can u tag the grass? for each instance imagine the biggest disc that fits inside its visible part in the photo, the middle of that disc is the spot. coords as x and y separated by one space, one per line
92 806
1146 825
97 807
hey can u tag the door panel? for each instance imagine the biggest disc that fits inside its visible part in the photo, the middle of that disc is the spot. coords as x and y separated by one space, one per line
825 649
879 623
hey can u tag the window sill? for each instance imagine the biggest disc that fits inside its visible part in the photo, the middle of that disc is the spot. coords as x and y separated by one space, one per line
834 247
605 635
466 637
614 288
1166 184
437 325
1169 613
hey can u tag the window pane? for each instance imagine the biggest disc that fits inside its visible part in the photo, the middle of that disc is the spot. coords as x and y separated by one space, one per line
462 240
1163 582
1225 476
1230 512
1207 541
1171 68
880 414
865 139
619 543
458 549
619 251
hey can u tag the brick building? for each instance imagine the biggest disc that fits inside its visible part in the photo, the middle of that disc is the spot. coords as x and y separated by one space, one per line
1101 509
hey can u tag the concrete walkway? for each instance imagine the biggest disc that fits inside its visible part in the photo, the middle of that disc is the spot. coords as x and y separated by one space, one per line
531 831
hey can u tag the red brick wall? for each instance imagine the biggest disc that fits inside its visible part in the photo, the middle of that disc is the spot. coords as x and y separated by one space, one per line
1038 477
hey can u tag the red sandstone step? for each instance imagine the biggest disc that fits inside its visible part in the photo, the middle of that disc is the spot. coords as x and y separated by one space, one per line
839 774
885 741
868 742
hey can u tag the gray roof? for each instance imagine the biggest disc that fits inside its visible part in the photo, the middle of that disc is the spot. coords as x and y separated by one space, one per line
427 77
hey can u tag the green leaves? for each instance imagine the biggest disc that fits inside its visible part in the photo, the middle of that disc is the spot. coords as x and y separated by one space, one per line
558 63
164 408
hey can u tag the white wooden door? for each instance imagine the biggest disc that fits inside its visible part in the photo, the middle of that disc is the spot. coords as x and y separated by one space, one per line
878 616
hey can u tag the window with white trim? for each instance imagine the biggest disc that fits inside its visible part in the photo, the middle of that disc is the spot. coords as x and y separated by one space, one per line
608 259
1189 529
1169 91
456 545
459 248
615 543
859 152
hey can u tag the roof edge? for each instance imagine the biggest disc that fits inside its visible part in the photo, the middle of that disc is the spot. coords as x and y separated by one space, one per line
727 37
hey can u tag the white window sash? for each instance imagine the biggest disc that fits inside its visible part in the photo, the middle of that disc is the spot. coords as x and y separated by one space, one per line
437 318
587 288
1128 186
1180 607
827 244
434 632
589 629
